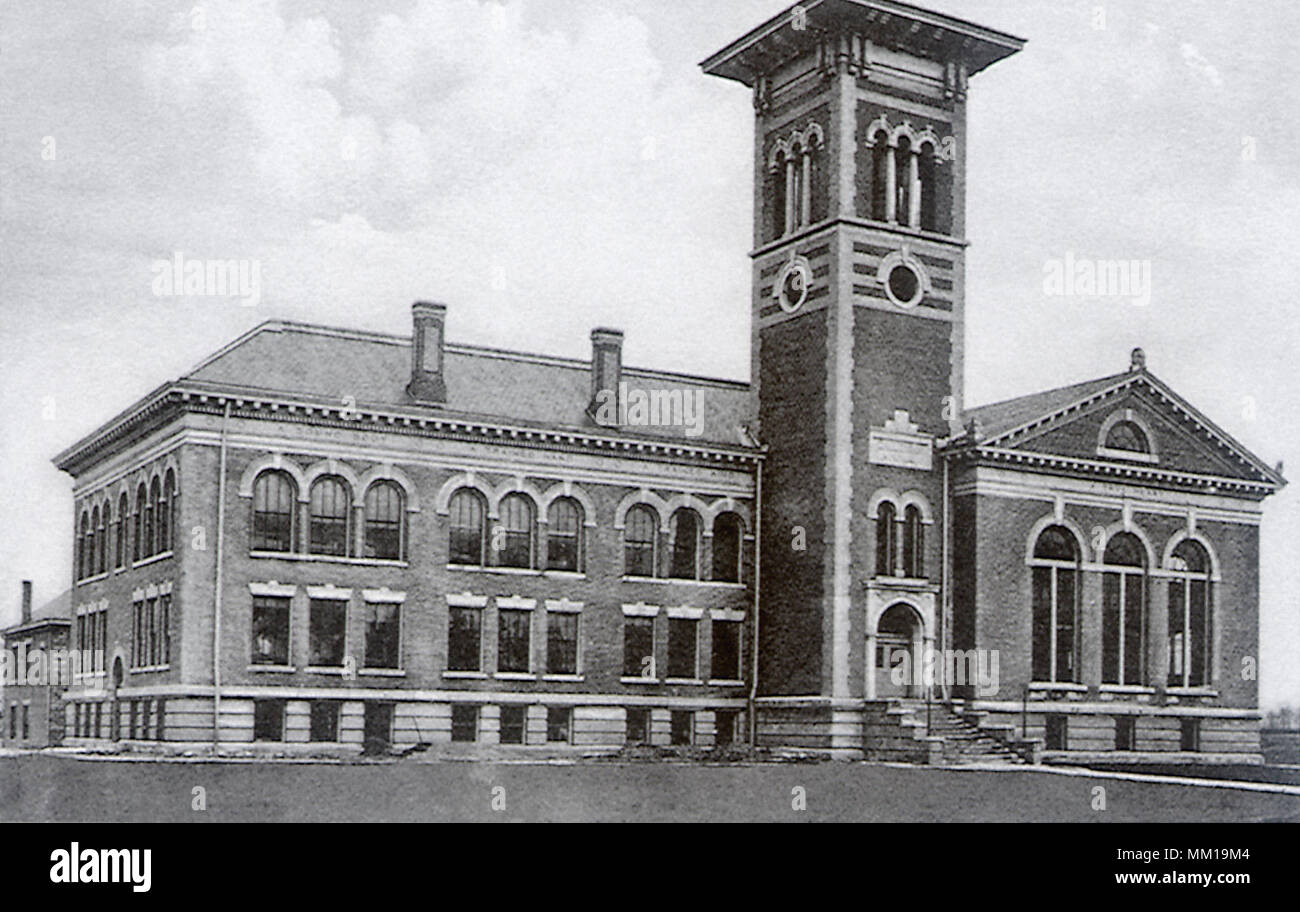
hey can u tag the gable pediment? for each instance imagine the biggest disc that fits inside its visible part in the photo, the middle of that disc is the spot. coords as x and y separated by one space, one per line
1134 426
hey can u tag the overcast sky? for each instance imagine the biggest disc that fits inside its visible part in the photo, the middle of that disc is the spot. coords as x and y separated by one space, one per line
547 166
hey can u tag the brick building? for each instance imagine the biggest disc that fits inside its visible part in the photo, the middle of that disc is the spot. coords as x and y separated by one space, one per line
333 536
31 693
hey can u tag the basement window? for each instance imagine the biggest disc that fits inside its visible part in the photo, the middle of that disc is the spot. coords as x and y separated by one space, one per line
513 723
268 720
1190 735
464 722
1057 733
1125 733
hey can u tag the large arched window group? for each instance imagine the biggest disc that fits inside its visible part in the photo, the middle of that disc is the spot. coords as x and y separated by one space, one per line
900 536
330 516
1128 640
685 558
795 171
107 539
904 179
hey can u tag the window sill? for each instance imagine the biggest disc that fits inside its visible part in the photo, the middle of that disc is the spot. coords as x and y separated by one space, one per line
1198 691
98 577
144 562
1048 685
149 669
1126 689
515 676
383 672
726 683
327 559
669 580
466 675
510 571
639 680
683 680
272 669
326 670
573 678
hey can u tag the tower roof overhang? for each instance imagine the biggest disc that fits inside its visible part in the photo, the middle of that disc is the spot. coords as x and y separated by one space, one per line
886 22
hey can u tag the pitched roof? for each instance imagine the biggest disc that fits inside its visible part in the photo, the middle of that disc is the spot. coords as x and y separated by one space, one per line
374 369
998 418
56 609
1004 423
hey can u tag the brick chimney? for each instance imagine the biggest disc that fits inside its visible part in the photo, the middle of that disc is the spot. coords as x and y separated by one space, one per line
27 601
606 372
427 362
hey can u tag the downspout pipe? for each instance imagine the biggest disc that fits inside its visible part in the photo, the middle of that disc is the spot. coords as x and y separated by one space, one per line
752 708
216 603
945 584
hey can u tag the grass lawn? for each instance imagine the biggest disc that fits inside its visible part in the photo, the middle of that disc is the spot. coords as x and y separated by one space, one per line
43 787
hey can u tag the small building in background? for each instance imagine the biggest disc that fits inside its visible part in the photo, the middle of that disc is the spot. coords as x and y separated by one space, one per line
32 683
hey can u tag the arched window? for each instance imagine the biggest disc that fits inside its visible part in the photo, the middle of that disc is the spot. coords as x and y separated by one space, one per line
385 508
1126 435
105 523
563 534
167 513
886 538
141 500
728 533
92 545
515 547
913 543
274 495
903 182
880 152
82 536
331 502
1123 611
466 541
780 209
927 188
122 509
639 535
685 545
151 518
1191 622
1055 572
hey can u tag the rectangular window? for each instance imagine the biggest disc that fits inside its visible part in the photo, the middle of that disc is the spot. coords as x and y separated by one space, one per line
164 630
268 720
1057 733
160 720
638 726
726 725
151 631
324 720
562 643
378 727
131 719
464 639
513 639
327 632
270 630
26 720
1190 735
562 549
382 633
13 721
726 651
514 720
680 727
1125 733
559 724
638 647
464 722
682 639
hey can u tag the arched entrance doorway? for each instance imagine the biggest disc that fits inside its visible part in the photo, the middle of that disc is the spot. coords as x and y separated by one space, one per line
898 648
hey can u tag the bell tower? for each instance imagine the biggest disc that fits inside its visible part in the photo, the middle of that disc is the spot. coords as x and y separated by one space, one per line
857 336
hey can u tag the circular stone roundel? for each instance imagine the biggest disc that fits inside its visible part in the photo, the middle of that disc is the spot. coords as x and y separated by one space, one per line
904 279
792 285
